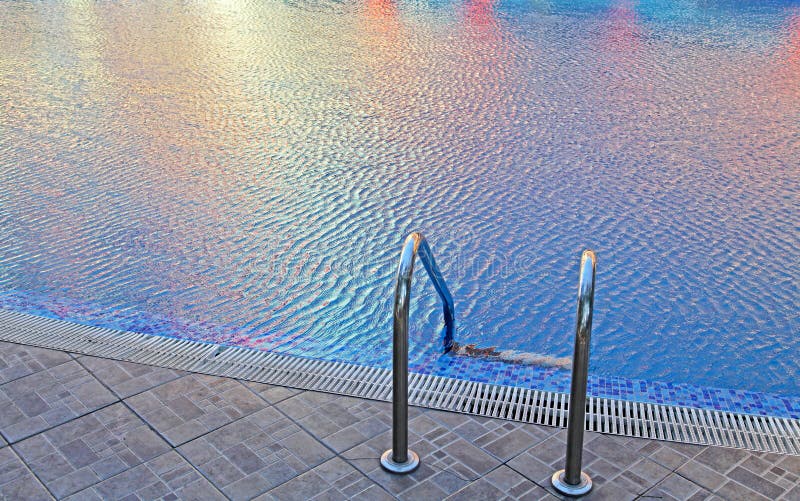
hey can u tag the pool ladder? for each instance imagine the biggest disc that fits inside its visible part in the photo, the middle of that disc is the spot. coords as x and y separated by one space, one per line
399 459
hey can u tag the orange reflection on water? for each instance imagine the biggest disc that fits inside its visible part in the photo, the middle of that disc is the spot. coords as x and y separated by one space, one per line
789 59
381 9
794 39
382 28
185 107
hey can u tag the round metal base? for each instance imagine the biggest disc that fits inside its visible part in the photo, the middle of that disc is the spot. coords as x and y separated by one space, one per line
400 468
568 489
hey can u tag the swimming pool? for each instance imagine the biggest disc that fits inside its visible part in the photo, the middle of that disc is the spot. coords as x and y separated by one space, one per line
246 172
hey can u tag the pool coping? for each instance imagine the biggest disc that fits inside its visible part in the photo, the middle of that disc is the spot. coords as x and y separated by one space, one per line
605 415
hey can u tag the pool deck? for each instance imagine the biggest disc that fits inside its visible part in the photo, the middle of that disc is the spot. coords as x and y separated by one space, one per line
81 427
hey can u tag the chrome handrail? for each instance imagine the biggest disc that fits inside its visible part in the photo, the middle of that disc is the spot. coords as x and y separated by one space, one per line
399 459
571 480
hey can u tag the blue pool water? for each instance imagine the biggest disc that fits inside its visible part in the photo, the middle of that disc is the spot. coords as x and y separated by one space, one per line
245 172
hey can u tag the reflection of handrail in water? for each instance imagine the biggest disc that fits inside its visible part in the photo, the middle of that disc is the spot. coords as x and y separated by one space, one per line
510 356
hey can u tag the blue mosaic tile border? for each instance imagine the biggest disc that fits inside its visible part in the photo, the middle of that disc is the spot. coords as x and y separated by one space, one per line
558 380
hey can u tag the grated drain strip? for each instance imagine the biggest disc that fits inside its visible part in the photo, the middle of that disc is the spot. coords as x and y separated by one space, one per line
604 415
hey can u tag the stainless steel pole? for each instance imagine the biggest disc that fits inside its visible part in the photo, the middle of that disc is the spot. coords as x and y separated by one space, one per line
571 480
399 459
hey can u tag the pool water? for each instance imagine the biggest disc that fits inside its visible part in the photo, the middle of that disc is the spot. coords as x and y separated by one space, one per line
246 172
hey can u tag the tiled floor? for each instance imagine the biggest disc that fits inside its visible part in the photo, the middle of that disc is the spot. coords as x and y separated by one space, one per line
87 428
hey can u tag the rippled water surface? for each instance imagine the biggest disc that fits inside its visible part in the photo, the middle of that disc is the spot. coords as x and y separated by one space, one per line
245 172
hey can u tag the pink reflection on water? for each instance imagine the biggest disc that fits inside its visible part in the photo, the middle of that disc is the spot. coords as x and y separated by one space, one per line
623 33
481 14
479 19
383 32
493 47
625 62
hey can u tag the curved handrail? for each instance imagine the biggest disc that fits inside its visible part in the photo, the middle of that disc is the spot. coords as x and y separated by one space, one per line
417 245
399 459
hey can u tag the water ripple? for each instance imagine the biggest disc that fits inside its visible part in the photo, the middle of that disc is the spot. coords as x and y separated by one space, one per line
245 172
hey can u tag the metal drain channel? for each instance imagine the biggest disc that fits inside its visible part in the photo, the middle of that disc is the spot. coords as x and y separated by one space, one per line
616 417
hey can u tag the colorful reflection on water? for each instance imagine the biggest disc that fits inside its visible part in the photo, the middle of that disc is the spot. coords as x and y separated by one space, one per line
245 172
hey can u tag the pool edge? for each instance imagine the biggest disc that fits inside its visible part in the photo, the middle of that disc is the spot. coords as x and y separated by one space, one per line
605 415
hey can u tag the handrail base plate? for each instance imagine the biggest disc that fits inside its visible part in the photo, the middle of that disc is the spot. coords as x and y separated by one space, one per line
560 484
400 468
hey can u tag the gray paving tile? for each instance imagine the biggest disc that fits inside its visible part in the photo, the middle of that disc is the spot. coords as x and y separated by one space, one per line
374 493
734 491
255 454
611 448
253 449
470 456
427 489
127 378
48 398
479 489
790 464
668 454
538 463
90 449
785 473
612 478
502 439
443 454
606 491
449 480
453 420
270 393
757 464
721 459
168 476
772 468
509 444
334 479
756 482
193 405
515 485
793 494
639 477
341 422
17 360
702 475
676 487
16 480
602 468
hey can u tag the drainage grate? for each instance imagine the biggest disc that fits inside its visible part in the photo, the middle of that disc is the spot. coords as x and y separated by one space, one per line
616 417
